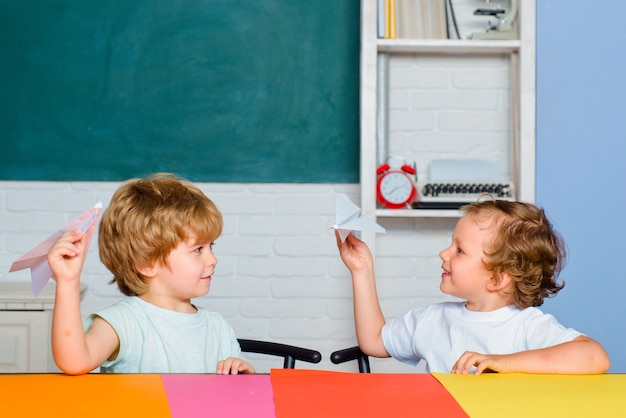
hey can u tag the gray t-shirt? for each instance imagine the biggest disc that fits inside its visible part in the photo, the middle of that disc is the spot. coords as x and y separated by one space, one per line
157 340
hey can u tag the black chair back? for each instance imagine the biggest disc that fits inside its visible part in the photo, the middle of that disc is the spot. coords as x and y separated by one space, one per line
289 353
349 354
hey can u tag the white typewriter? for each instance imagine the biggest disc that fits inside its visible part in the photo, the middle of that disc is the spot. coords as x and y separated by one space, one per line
444 193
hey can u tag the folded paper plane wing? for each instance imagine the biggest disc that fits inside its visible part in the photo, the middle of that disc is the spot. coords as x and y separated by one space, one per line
348 218
37 258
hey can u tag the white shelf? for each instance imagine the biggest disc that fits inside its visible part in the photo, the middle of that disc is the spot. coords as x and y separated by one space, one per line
521 56
446 46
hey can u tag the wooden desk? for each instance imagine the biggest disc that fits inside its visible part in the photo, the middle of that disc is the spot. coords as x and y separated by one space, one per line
311 393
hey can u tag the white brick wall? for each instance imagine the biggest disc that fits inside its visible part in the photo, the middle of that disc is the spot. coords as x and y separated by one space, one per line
279 275
449 107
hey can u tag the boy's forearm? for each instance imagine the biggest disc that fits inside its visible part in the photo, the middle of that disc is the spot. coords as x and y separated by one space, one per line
580 356
68 337
368 317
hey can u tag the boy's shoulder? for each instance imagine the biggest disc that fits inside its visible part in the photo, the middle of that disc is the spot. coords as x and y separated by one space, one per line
126 307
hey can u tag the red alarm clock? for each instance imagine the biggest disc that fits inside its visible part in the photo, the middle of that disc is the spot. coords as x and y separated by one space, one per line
395 188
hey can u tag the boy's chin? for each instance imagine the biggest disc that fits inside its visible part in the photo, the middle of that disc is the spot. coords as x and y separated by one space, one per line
203 290
443 288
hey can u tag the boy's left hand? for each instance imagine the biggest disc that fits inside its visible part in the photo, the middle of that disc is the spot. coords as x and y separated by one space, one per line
234 365
483 363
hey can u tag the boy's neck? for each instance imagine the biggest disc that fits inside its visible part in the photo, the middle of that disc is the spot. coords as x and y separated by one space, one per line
182 306
486 306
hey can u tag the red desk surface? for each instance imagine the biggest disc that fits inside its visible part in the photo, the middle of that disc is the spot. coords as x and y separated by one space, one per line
311 393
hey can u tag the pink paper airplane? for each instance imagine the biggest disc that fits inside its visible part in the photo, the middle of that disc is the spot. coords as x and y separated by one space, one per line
37 258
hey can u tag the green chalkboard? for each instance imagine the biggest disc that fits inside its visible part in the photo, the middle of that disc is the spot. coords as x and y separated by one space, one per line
213 90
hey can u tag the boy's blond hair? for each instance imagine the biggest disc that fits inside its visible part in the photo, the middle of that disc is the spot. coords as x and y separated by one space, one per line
525 246
146 219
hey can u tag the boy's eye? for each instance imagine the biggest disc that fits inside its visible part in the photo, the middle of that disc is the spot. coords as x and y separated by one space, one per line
202 247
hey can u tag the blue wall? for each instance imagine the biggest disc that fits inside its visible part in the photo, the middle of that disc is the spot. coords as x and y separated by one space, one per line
581 153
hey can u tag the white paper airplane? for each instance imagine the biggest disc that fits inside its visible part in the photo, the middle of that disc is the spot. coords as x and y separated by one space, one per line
37 258
348 218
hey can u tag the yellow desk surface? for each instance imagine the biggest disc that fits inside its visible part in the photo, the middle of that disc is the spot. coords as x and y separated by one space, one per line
532 395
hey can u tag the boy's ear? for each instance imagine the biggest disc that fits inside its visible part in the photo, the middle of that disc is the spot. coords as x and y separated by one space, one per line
500 282
148 271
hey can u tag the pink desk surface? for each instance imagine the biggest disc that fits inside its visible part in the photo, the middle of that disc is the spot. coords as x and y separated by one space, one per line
244 396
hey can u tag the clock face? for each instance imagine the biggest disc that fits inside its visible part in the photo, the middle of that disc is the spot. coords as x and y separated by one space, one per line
396 187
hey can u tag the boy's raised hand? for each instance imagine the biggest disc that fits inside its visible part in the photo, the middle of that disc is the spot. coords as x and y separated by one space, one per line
67 256
354 253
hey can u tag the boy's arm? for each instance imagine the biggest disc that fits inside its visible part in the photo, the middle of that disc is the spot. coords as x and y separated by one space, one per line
582 355
74 351
368 317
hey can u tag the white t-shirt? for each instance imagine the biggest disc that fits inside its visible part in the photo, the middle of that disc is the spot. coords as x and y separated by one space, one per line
441 333
157 340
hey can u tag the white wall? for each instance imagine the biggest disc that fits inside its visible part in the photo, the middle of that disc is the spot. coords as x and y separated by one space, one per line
450 106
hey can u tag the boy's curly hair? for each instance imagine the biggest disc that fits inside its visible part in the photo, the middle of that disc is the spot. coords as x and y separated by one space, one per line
146 219
525 246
